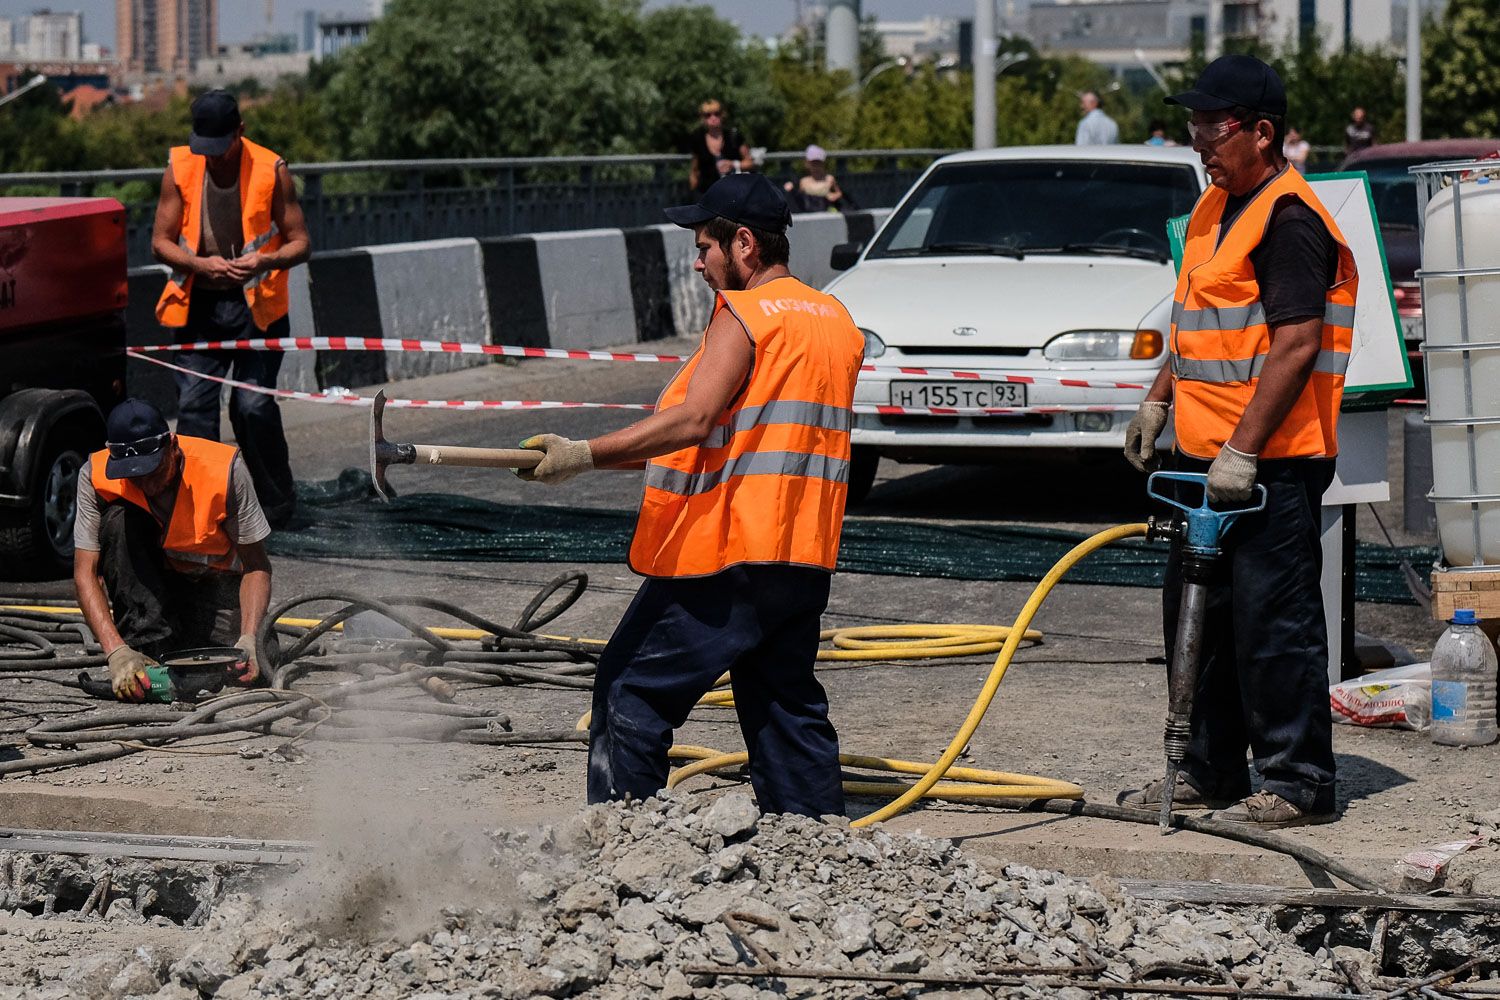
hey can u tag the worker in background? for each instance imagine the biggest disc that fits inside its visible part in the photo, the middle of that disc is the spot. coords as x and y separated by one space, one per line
1261 335
747 467
167 547
229 226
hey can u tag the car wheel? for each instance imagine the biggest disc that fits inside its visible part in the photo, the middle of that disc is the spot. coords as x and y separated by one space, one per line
863 462
36 542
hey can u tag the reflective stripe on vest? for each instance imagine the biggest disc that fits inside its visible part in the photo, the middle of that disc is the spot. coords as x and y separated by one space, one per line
834 418
755 463
1245 369
193 537
768 483
267 293
1220 339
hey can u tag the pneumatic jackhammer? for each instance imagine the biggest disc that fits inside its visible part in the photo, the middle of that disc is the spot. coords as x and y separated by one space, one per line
1200 529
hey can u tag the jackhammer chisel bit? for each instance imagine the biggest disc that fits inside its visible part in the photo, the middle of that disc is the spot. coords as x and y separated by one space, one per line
385 453
1200 533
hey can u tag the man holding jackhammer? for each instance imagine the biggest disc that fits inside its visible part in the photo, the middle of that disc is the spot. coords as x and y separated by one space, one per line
170 529
229 226
747 467
1261 333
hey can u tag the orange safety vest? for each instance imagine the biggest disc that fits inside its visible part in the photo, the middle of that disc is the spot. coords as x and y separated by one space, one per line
195 537
769 483
1220 338
266 293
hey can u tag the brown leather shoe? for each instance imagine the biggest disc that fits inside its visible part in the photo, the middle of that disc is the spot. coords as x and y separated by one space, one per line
1184 797
1270 811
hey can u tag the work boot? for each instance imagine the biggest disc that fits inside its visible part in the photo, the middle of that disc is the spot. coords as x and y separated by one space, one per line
1270 811
1184 797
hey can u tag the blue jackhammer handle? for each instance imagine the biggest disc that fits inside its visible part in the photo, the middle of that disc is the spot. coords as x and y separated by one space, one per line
1222 518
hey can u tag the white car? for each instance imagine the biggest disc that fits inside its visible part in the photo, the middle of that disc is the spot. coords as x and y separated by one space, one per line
1046 263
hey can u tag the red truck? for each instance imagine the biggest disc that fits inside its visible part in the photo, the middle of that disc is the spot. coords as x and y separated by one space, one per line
62 367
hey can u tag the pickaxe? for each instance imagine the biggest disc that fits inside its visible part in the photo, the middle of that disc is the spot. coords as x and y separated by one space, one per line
384 453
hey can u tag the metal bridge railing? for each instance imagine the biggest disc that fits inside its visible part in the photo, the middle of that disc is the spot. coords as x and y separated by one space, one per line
370 202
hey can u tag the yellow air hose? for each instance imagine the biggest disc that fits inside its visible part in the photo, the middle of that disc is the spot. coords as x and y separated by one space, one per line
897 642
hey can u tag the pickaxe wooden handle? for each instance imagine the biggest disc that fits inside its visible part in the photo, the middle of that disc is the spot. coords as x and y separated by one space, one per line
385 453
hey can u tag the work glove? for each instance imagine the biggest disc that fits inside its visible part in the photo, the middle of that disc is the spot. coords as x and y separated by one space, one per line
251 669
1141 434
564 459
1231 477
127 673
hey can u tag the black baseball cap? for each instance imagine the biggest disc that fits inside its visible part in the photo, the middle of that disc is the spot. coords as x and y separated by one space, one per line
136 435
1235 81
748 199
216 121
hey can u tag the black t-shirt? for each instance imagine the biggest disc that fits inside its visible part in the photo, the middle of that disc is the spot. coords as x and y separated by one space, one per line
1296 261
708 163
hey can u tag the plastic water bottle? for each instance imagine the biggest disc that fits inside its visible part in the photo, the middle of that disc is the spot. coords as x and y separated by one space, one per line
1464 669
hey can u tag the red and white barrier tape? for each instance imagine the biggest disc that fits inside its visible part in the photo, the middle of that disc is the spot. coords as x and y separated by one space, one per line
354 399
408 346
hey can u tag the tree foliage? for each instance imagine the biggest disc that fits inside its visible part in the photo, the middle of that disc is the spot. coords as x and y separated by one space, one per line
1461 72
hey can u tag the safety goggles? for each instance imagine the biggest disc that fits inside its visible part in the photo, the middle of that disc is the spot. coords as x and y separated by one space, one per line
1208 135
137 449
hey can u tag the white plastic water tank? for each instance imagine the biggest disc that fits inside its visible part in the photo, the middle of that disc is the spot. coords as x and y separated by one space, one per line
1463 387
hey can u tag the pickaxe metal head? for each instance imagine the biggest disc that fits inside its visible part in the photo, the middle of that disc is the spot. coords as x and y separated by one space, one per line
383 452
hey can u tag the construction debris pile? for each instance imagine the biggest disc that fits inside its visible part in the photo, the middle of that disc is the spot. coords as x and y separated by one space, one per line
674 896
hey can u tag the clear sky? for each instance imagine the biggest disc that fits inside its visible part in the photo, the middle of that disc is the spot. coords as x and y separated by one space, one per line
239 20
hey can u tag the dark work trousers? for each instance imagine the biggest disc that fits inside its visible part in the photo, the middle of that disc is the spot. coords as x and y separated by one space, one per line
156 609
225 315
678 635
1263 683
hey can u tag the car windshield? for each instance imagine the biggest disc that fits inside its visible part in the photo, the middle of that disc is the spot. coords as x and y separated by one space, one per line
1030 206
1394 191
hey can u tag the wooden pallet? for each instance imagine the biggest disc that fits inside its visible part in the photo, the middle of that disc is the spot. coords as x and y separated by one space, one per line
1478 590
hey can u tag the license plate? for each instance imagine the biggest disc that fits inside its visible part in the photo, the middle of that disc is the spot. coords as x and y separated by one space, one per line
959 395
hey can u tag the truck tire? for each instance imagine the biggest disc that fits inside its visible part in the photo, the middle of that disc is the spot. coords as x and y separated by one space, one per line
36 543
863 462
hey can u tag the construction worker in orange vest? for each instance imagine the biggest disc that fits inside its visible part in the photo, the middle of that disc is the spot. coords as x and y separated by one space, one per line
1262 328
168 550
747 468
229 226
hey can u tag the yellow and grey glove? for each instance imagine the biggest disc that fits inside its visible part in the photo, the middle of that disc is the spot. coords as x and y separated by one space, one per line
1141 434
251 669
564 459
127 673
1232 476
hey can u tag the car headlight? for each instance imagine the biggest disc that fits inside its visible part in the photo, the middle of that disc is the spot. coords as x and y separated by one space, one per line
1104 345
874 346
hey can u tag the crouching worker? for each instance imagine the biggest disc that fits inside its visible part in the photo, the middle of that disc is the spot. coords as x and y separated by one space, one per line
747 466
169 528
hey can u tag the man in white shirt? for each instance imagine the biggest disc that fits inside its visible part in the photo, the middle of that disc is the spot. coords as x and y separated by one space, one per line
1095 128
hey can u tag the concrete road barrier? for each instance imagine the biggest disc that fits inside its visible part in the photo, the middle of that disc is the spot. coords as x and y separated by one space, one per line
583 289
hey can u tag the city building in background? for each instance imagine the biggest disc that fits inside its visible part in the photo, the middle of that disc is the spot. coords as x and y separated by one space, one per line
165 37
338 32
53 37
929 38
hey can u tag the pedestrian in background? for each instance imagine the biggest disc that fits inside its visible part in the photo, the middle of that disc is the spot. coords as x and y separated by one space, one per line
229 226
717 149
1158 137
1262 328
817 190
1296 150
1359 133
1095 128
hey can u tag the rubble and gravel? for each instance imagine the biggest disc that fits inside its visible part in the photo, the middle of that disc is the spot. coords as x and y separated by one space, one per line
619 901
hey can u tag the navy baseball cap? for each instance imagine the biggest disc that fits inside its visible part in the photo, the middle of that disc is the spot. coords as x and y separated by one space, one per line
136 435
748 199
216 122
1235 81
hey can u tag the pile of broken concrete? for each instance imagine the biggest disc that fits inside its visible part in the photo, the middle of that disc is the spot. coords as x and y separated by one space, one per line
624 901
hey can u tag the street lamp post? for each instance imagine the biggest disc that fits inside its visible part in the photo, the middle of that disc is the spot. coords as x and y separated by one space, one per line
1413 71
31 84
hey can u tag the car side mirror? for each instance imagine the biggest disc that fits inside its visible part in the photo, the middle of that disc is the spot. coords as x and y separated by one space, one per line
844 255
